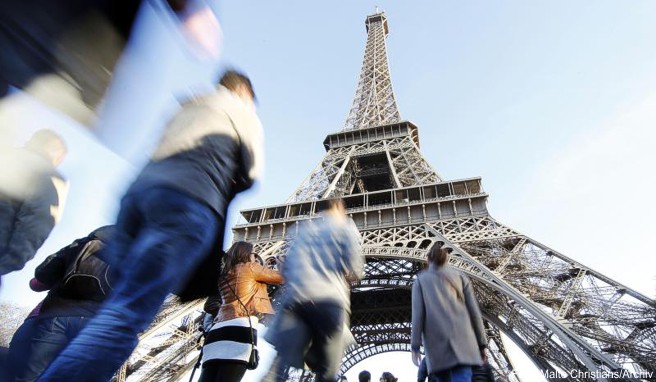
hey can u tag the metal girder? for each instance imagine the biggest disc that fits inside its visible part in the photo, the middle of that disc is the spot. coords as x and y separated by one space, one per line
165 346
500 360
339 171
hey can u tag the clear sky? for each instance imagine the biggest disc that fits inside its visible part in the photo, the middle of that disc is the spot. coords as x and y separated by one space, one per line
552 103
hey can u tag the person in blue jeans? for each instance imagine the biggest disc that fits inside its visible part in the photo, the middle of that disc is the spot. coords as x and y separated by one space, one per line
170 225
311 328
78 281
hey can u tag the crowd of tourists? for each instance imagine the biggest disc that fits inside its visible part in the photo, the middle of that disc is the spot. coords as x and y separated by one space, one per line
168 238
105 288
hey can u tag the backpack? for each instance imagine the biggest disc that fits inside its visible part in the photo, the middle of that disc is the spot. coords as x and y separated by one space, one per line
87 276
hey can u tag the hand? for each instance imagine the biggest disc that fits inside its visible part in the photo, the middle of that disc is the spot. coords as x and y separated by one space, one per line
203 30
483 355
416 358
38 286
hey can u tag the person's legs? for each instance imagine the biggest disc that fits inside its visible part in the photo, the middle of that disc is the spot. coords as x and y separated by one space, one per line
326 322
217 371
208 372
229 372
455 374
442 376
461 374
174 235
19 349
50 336
290 335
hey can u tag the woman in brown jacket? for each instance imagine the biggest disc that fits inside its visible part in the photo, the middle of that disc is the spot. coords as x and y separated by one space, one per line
243 289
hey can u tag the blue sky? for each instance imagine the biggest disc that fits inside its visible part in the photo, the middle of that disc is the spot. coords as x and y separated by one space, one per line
552 103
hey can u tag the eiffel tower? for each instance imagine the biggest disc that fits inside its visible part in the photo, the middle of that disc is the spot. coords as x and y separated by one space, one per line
563 315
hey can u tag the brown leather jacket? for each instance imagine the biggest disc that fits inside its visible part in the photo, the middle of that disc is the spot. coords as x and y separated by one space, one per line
249 281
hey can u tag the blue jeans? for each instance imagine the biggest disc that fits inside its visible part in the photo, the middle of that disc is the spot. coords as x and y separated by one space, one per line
312 333
19 350
50 335
162 235
455 374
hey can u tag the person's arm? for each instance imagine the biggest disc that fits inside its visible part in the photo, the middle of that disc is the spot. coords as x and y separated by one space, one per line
418 321
53 268
475 315
251 158
354 267
422 373
265 275
32 225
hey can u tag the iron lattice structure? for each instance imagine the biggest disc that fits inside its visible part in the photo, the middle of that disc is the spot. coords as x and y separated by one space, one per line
562 314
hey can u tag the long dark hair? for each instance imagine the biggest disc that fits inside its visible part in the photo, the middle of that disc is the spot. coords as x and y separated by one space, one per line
239 252
438 254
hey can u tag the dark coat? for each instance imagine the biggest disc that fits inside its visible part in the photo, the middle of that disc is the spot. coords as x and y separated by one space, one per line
82 39
53 271
27 219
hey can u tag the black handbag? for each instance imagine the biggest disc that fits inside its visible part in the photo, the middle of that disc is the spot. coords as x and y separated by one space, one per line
254 360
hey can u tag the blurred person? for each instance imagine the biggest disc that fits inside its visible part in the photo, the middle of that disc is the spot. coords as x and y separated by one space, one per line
32 194
388 377
78 282
170 227
446 320
19 346
64 52
364 376
243 289
310 327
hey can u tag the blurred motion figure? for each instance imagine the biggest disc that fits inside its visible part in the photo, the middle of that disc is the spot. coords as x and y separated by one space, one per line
64 52
169 230
32 194
78 281
312 325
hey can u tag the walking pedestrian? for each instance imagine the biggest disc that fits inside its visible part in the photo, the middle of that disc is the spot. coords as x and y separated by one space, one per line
232 338
318 267
171 223
78 282
446 320
32 193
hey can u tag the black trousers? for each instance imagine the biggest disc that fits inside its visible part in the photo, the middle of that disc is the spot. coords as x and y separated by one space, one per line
222 371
